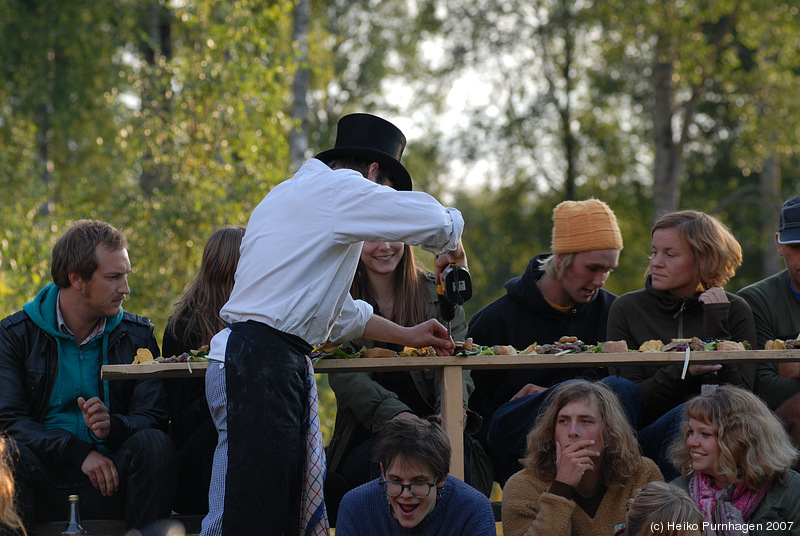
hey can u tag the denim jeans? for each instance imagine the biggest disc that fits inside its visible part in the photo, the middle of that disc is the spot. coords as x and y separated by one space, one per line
656 438
147 467
261 420
513 420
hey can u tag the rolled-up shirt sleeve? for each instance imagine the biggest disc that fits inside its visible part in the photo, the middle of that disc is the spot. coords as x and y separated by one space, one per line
366 213
352 321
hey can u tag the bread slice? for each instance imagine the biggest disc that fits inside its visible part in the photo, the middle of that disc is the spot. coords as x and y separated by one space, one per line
378 352
727 346
504 350
614 347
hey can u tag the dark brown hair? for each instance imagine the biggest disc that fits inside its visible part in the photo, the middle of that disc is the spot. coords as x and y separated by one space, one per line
204 297
362 166
76 251
416 440
411 297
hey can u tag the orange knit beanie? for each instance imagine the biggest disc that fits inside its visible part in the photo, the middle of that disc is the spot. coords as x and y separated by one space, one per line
584 226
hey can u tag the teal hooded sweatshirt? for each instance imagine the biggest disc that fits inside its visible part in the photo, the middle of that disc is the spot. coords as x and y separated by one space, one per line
78 367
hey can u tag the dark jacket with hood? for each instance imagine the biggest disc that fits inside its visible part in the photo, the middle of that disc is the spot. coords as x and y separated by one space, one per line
650 314
521 317
30 349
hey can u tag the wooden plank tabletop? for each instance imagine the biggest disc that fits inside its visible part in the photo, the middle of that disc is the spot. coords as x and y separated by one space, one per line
195 369
451 368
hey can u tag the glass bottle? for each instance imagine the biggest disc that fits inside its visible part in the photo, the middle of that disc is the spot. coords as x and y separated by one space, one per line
74 527
710 382
710 379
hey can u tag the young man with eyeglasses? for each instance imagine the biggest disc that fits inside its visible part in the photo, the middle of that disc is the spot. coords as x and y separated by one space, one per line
414 455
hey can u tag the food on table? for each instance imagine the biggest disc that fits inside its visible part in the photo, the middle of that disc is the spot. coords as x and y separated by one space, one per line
729 346
565 345
378 352
694 344
409 351
331 350
614 347
145 356
529 350
653 345
779 344
469 348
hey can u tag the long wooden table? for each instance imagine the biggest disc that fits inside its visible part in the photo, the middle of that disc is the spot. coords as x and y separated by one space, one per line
452 367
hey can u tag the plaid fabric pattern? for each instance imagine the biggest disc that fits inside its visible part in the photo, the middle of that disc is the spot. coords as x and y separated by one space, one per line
314 521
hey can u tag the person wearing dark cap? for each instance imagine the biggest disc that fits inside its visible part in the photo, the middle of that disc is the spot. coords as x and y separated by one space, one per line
559 294
775 302
291 292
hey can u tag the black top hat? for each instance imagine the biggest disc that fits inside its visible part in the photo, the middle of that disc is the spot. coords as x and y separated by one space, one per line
372 138
789 230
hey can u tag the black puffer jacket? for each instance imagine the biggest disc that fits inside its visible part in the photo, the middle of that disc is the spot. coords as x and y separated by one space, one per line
648 313
28 366
521 317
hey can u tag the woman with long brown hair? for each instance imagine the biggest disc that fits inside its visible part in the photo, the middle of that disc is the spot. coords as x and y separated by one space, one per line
195 321
389 278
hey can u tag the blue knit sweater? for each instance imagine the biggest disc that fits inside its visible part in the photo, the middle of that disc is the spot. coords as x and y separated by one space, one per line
462 510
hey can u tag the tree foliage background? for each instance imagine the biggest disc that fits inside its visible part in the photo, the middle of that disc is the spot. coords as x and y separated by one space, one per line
171 118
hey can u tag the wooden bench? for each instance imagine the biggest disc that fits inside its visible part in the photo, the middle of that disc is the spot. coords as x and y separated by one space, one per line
114 527
191 524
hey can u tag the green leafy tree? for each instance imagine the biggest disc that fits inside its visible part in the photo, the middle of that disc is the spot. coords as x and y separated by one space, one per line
165 121
738 52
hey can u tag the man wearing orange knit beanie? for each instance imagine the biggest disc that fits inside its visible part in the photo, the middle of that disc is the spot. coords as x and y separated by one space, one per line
559 294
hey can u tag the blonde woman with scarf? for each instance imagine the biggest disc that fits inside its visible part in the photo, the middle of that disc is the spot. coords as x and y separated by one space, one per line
735 459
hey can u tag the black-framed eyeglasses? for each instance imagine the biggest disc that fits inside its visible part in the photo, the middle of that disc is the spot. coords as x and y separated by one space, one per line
420 490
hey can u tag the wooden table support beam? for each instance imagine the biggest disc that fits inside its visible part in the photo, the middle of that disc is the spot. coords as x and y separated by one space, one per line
453 417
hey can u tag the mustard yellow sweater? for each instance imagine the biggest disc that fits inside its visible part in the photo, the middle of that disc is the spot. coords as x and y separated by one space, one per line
530 510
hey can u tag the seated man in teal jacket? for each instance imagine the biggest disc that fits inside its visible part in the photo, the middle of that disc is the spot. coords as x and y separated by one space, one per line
74 434
775 302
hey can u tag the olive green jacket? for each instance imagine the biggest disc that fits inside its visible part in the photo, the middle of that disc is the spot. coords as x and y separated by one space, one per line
362 401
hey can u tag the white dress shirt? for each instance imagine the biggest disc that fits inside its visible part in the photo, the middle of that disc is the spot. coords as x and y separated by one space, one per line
303 242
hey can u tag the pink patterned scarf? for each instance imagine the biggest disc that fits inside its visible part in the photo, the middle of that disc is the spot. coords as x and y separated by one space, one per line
725 508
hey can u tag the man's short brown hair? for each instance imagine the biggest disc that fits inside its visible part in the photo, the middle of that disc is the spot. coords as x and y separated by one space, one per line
75 251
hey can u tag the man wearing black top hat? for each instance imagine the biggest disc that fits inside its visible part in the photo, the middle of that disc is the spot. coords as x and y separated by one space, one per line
298 258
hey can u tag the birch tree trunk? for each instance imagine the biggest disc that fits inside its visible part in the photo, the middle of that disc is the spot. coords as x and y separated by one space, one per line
668 152
298 137
157 52
770 203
